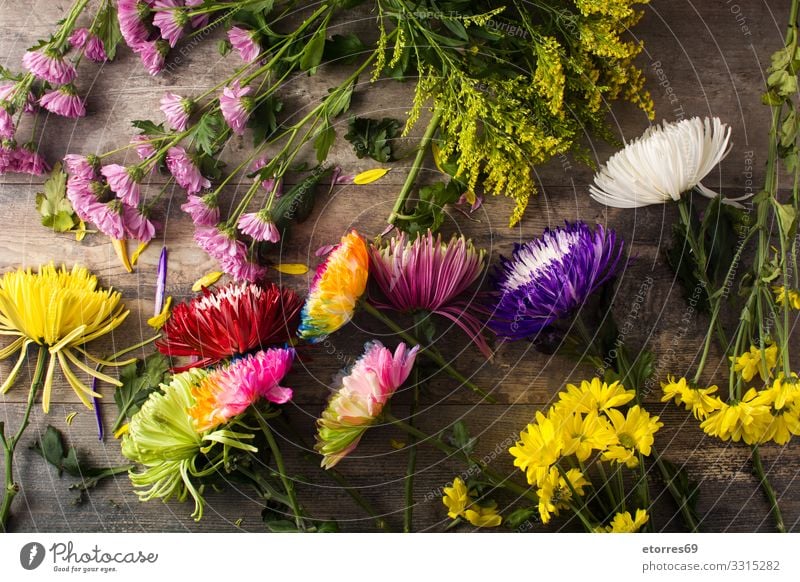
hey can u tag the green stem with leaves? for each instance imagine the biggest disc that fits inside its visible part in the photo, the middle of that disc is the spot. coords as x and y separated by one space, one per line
288 484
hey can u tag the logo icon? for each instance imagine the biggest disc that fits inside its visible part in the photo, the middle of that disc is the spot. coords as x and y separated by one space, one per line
31 555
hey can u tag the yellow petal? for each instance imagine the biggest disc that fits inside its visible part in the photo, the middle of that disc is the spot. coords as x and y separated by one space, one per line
80 232
121 246
121 431
158 321
470 197
370 176
138 251
70 417
437 156
206 280
292 268
396 444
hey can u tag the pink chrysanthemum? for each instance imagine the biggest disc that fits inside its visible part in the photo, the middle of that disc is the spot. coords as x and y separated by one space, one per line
63 101
229 391
107 218
242 268
236 106
428 275
8 93
203 210
244 41
185 172
78 38
137 226
153 55
80 167
198 20
360 398
144 146
131 15
218 243
170 19
6 158
92 46
7 128
49 65
259 226
28 161
177 110
124 182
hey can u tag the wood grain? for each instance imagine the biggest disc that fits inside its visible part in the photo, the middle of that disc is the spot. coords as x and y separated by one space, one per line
699 61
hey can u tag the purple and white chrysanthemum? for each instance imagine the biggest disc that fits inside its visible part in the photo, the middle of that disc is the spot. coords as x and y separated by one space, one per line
548 278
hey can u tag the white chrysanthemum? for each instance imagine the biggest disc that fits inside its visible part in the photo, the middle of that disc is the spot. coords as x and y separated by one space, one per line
662 164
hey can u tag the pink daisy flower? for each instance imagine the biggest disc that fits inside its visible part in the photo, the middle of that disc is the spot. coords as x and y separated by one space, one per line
236 106
131 14
360 398
7 128
219 244
144 147
96 50
177 110
80 167
153 55
185 172
170 19
27 161
244 41
259 226
124 182
136 225
228 392
63 101
241 268
80 193
48 65
107 218
78 38
203 210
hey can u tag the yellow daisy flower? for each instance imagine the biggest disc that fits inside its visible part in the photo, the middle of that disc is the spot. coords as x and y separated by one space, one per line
539 447
750 363
699 400
483 515
744 420
625 523
460 503
583 433
456 498
785 421
594 395
634 434
782 295
555 494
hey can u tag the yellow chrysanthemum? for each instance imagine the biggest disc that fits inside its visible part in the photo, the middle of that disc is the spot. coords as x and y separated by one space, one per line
625 523
594 395
582 434
787 390
339 283
539 447
635 433
60 311
555 494
745 420
699 400
782 295
751 363
460 503
785 419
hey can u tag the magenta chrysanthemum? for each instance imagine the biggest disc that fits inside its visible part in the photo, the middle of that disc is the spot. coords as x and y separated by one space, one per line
170 19
92 46
27 161
177 110
360 397
124 182
425 274
49 65
185 172
244 42
236 106
203 210
131 14
63 101
137 225
107 218
153 55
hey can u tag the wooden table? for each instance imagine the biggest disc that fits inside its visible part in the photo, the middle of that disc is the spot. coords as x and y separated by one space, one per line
700 58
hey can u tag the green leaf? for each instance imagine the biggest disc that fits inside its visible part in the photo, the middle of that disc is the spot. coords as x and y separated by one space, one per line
519 516
51 448
338 100
281 526
264 119
343 49
324 141
206 136
139 380
373 138
787 217
147 127
106 28
429 211
460 438
312 53
53 205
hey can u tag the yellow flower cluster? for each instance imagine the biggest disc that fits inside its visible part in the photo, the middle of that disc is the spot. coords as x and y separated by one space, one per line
760 416
460 503
782 295
625 523
754 362
586 421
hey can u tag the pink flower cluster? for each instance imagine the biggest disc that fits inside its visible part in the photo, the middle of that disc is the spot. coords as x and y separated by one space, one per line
88 192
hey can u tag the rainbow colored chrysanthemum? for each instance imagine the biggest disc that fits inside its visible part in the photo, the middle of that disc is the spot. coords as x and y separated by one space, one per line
338 284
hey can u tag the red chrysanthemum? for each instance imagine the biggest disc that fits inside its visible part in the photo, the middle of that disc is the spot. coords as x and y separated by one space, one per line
231 320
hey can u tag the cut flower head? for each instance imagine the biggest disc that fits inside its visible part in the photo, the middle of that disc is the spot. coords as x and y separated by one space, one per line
59 310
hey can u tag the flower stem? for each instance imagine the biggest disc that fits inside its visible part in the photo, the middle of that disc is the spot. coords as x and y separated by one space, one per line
768 490
495 478
408 514
416 166
9 444
429 352
680 499
287 482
